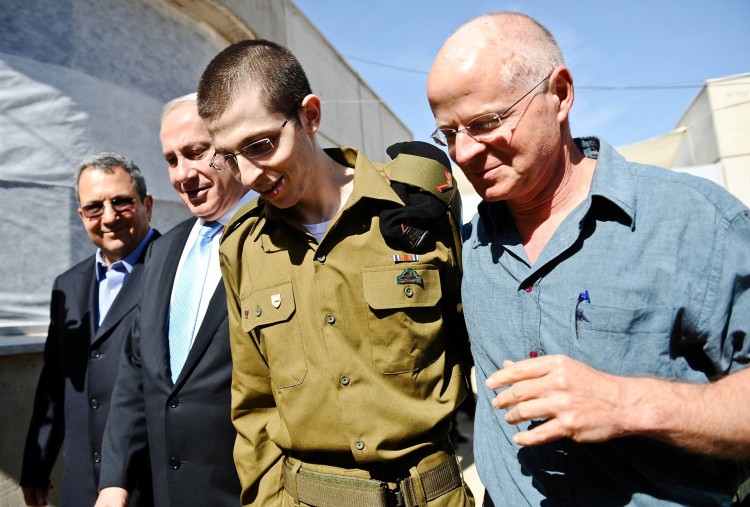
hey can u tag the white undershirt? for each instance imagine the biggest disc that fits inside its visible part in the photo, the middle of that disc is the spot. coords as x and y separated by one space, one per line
318 230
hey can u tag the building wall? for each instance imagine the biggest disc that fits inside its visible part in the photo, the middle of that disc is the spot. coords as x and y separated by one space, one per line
78 77
730 100
698 146
712 133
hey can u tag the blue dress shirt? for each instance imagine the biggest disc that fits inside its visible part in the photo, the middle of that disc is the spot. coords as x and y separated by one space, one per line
112 278
647 277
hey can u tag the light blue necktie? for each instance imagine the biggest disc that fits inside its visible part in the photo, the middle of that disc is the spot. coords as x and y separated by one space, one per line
183 312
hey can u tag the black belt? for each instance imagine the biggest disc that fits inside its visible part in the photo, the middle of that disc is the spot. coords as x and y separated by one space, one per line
332 490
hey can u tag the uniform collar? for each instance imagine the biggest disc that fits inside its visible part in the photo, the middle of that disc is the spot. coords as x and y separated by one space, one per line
369 181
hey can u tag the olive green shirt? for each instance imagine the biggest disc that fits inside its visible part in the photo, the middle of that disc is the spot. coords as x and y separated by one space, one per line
343 355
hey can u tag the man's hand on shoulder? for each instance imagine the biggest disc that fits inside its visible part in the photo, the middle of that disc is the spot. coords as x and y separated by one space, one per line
112 497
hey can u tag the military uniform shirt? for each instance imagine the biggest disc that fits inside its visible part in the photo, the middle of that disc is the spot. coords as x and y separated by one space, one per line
342 355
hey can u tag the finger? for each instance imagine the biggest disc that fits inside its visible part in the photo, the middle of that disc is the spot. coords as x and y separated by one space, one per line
522 370
544 433
533 410
518 392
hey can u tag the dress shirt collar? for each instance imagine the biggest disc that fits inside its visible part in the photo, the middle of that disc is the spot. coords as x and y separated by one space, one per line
226 217
128 262
612 181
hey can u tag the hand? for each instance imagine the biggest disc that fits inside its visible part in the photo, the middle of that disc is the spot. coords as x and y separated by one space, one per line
575 400
35 496
112 497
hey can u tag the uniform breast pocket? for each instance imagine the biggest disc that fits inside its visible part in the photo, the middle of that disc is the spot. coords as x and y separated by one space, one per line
626 341
271 318
404 321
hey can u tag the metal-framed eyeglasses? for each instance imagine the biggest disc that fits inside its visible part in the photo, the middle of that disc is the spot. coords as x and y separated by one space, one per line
481 126
228 161
118 204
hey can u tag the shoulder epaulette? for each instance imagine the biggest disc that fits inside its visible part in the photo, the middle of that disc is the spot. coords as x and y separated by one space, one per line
429 176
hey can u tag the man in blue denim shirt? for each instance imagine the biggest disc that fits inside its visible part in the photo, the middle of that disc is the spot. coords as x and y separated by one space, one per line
608 303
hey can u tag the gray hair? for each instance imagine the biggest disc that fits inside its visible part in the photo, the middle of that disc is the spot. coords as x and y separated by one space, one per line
107 163
190 97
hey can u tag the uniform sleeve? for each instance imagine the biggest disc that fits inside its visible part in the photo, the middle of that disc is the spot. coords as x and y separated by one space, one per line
257 458
47 426
125 439
727 312
453 308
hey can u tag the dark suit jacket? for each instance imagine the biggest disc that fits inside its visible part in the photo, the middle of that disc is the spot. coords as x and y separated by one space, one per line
73 395
187 427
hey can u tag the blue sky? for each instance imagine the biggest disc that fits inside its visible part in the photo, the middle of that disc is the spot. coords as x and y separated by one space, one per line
651 56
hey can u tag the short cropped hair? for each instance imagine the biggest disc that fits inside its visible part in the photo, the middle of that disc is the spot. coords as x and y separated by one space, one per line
268 67
107 163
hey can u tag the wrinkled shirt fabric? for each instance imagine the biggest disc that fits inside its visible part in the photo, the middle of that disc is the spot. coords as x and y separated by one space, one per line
647 277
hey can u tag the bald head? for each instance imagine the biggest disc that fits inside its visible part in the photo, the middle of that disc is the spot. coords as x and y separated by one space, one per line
501 94
512 47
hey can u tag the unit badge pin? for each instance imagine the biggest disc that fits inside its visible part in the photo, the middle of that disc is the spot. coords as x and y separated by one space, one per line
246 312
410 277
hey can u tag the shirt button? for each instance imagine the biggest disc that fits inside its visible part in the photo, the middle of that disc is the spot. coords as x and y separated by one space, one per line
174 403
359 444
409 292
257 311
174 463
321 258
94 403
330 318
95 354
529 288
533 354
344 379
96 457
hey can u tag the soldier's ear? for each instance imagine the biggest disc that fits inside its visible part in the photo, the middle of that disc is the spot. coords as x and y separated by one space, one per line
310 113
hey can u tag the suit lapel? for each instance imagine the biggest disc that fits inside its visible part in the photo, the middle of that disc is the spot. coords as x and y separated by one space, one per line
126 300
216 313
168 261
87 291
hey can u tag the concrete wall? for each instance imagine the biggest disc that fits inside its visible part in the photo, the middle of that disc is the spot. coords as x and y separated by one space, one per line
82 76
18 374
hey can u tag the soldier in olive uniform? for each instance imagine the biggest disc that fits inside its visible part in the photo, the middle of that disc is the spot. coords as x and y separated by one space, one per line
347 341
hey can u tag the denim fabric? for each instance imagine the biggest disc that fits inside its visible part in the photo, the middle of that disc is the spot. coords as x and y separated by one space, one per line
647 277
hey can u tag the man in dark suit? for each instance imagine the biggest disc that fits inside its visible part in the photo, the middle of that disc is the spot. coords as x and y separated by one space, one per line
92 308
173 391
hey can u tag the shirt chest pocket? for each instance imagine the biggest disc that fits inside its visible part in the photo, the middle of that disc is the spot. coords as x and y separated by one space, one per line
405 321
626 341
269 314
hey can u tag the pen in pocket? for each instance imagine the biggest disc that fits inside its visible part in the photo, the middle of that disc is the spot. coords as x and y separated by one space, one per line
583 297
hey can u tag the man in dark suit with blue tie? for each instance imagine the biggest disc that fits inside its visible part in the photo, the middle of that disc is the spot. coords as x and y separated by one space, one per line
173 390
92 308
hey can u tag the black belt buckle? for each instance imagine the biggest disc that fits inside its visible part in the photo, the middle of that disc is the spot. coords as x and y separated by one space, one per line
395 495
